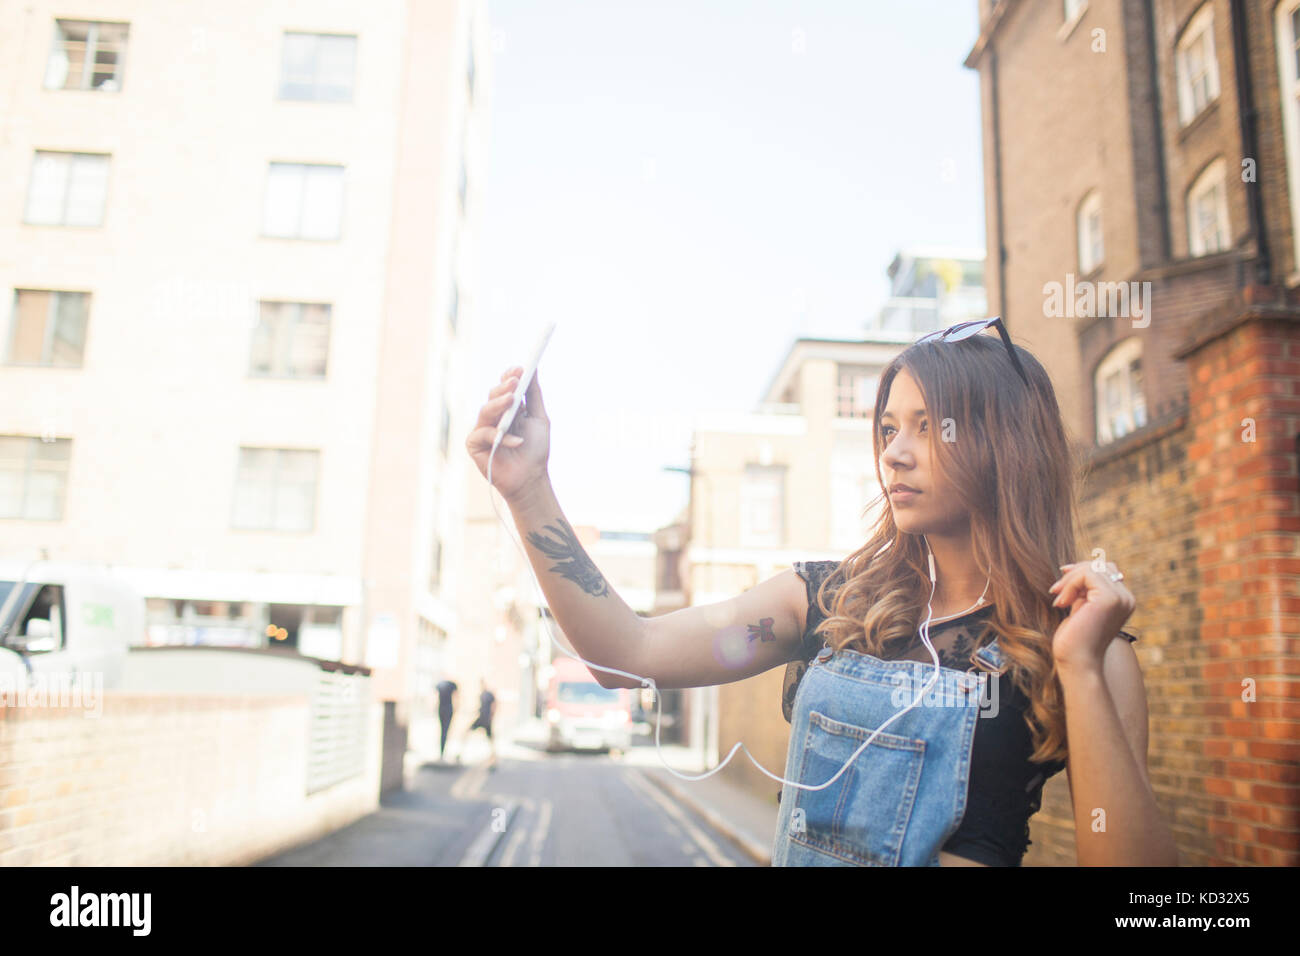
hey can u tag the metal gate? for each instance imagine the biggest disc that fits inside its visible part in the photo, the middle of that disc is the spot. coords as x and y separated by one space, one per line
336 741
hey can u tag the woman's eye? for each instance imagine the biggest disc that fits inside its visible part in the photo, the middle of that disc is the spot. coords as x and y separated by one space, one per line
886 431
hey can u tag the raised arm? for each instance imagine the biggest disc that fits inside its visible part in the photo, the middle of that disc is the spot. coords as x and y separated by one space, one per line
692 647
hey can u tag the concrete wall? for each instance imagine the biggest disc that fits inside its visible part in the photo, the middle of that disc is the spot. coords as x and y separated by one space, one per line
203 670
168 780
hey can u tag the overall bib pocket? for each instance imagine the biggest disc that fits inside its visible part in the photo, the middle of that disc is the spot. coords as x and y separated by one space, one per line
861 818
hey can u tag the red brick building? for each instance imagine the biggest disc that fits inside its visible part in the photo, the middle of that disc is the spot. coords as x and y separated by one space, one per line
1142 185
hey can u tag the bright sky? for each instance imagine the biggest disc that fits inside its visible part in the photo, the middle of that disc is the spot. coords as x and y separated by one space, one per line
685 192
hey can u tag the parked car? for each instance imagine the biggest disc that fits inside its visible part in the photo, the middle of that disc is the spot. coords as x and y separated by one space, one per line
582 715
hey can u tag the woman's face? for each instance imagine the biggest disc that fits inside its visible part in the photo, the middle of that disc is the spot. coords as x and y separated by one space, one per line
906 432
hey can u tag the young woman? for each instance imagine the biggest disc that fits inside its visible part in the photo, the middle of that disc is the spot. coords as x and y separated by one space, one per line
1033 672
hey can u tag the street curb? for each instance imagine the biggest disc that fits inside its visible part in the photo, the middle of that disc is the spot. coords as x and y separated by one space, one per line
759 853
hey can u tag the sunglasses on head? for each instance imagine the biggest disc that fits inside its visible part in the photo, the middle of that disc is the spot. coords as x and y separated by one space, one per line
964 330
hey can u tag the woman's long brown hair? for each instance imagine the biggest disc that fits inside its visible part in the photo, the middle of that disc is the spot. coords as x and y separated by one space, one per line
1008 462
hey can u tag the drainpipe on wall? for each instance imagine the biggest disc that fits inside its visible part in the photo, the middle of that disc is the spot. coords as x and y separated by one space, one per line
1158 126
1246 114
997 185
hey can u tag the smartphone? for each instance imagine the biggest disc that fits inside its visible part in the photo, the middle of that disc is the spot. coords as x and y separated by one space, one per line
526 380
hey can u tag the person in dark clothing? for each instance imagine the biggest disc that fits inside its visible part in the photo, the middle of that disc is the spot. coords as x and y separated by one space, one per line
487 705
446 705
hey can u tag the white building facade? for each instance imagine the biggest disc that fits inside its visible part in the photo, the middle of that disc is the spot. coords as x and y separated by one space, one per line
236 306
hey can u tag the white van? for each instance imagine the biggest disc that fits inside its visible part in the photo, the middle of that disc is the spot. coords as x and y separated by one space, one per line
67 619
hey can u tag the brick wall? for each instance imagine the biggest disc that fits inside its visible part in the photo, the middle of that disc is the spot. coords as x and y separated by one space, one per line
1248 530
750 711
161 779
1180 297
1206 527
1217 350
1136 504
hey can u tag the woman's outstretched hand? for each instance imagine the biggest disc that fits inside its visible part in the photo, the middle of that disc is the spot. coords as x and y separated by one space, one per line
520 460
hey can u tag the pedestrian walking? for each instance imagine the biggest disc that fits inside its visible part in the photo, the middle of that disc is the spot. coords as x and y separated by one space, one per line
487 705
446 707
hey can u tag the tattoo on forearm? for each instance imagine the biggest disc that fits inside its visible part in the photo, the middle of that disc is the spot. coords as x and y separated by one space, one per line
762 630
574 562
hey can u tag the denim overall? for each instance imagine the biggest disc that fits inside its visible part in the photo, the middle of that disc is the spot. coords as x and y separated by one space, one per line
905 795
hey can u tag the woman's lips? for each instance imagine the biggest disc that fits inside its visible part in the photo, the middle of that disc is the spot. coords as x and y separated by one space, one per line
902 497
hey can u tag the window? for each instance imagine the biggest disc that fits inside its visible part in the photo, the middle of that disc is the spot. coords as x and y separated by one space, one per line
852 487
1196 66
275 489
1117 384
462 180
33 477
311 629
435 564
318 66
1207 212
86 55
1072 13
320 632
303 201
67 189
172 622
41 629
469 65
1091 249
762 507
445 433
855 391
48 328
585 693
291 340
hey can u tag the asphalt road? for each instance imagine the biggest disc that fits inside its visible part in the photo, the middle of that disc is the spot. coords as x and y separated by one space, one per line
565 809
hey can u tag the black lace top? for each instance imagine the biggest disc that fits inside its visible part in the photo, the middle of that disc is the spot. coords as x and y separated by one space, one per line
1005 789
